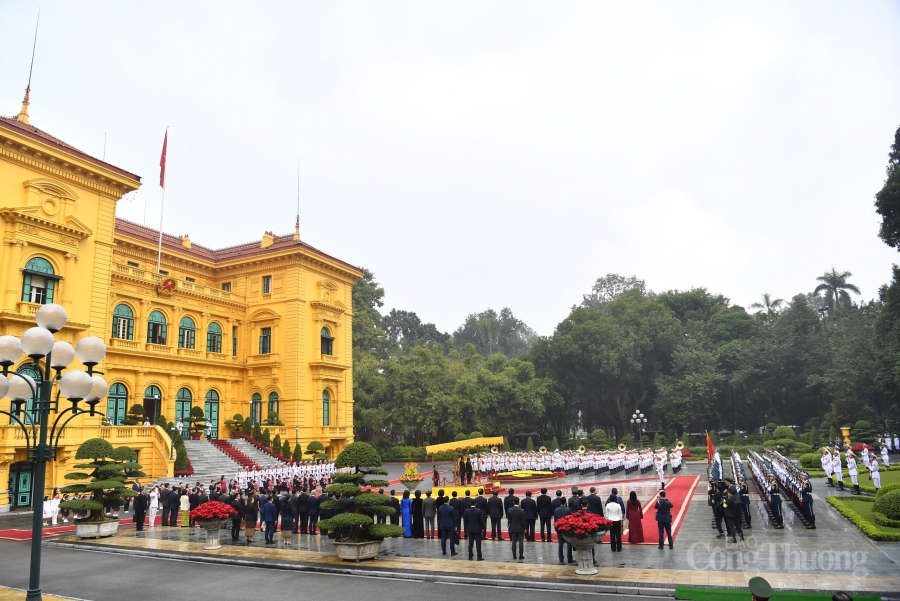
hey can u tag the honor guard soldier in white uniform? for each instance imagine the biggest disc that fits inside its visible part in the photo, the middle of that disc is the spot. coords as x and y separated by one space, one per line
837 469
826 464
852 471
874 475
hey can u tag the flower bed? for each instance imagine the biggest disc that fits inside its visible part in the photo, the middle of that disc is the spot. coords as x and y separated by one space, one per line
262 447
858 447
526 476
188 471
213 510
582 523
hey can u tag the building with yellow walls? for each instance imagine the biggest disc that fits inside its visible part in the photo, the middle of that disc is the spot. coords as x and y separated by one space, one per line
258 328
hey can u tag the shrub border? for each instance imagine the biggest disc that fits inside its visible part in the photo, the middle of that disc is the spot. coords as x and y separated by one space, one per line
859 521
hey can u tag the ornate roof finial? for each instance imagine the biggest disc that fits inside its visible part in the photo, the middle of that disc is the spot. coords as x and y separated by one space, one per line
23 114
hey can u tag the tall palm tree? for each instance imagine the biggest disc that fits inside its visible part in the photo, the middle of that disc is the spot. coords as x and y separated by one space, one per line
771 305
836 286
489 330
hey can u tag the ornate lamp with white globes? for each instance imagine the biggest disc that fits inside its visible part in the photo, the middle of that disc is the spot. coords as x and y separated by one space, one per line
42 437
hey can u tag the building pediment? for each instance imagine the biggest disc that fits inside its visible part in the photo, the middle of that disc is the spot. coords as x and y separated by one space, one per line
35 218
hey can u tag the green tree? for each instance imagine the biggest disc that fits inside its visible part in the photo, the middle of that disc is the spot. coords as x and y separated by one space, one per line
769 305
266 439
887 200
286 449
108 473
367 298
297 455
835 287
489 331
135 415
784 432
554 444
315 449
529 445
257 433
276 444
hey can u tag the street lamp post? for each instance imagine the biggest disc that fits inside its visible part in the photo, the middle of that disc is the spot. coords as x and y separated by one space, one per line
42 438
639 420
296 435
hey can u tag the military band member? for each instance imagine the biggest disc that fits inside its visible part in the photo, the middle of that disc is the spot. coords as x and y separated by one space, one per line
837 469
873 473
852 471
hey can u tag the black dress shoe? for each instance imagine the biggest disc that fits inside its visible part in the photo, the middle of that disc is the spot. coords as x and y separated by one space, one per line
481 559
454 553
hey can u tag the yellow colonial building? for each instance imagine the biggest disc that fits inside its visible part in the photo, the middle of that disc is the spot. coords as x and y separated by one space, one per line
259 328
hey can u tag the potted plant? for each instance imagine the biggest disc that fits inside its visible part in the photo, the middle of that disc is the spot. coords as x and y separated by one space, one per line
583 530
359 536
135 415
198 423
211 517
236 423
108 473
411 479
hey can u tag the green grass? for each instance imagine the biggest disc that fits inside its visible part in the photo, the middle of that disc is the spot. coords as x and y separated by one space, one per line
865 485
861 514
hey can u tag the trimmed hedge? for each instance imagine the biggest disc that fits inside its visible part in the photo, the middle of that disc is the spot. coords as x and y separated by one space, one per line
887 488
866 527
889 505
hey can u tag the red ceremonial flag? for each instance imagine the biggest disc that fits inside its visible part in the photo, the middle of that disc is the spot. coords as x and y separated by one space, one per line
709 449
162 161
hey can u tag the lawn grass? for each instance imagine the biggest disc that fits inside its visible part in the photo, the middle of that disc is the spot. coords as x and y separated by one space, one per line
865 485
861 513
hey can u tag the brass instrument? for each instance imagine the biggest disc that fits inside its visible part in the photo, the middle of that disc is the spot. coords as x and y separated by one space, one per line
495 450
542 450
679 445
622 446
582 449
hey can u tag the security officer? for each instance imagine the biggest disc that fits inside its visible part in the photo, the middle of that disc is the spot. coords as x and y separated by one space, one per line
806 499
775 502
744 492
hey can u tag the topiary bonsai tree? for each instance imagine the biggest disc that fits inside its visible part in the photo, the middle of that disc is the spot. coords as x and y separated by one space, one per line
235 423
198 419
266 439
316 450
108 475
276 444
297 456
529 445
359 525
135 415
286 449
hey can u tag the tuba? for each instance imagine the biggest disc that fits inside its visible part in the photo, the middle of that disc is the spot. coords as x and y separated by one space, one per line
582 449
495 450
679 445
542 450
622 446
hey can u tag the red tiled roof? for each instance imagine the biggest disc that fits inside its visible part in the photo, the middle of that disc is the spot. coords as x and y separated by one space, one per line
230 253
30 131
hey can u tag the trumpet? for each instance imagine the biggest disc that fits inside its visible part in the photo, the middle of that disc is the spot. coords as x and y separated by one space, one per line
582 449
622 446
679 445
542 450
495 450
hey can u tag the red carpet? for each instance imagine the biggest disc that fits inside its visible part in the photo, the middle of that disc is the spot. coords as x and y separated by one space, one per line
680 491
127 521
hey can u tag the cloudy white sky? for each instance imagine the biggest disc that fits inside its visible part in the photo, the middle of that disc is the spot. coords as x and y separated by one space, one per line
492 154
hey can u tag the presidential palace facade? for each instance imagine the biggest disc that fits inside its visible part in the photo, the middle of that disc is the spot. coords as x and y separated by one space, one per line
258 329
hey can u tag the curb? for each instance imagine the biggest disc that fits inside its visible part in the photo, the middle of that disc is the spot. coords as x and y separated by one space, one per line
631 589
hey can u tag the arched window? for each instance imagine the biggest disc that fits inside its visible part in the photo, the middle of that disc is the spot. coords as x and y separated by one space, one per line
38 281
123 323
186 331
327 342
156 328
116 403
152 402
255 408
273 403
214 338
27 414
326 408
183 407
211 410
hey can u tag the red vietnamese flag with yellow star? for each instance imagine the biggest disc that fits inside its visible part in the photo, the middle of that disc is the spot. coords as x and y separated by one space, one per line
162 161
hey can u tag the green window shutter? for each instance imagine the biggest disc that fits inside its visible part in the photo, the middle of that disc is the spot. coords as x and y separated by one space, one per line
26 288
50 285
163 332
130 329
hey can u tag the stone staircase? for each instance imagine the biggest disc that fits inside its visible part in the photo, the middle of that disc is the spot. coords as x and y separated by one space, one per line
209 462
260 457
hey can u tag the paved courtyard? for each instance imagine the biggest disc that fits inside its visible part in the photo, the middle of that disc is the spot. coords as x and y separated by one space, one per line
835 556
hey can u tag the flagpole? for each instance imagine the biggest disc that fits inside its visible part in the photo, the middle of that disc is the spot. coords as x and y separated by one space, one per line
159 247
162 180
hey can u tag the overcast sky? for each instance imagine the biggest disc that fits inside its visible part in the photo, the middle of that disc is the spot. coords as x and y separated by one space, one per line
495 154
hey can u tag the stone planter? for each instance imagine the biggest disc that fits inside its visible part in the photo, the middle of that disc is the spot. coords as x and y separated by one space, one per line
412 485
196 434
584 545
846 433
213 528
96 529
358 551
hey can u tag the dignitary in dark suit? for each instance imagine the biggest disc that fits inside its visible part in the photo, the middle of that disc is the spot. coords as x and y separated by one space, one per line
473 522
174 507
515 524
447 521
429 511
663 508
164 495
495 512
312 508
561 511
545 513
481 503
141 503
395 503
455 504
508 500
594 502
529 508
